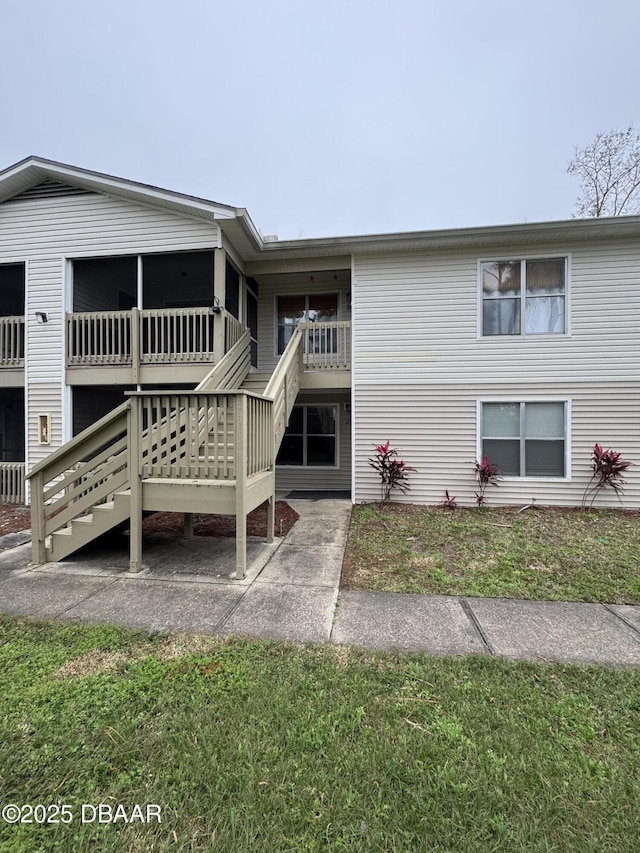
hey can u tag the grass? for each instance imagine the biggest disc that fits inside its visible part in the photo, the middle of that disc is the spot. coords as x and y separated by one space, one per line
554 554
263 746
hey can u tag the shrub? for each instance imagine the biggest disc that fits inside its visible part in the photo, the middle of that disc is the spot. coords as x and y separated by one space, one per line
449 502
393 472
487 474
608 472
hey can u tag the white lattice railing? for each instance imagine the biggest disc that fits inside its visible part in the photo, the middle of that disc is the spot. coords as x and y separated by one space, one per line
77 476
199 435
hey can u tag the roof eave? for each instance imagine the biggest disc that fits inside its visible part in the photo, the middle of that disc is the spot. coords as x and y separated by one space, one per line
554 230
109 184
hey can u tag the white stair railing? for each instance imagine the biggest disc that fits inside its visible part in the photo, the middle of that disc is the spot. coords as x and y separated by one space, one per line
284 384
83 472
326 346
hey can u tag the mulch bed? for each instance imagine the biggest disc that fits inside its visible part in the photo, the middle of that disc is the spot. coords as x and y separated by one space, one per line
222 525
16 518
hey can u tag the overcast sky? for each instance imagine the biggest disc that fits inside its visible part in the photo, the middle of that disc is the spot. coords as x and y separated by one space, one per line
325 118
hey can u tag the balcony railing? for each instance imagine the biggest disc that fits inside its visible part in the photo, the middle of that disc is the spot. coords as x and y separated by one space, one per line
149 336
200 435
175 335
11 341
326 346
12 482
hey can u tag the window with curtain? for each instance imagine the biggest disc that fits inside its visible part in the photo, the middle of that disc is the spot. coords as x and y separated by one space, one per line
310 438
525 439
524 297
291 310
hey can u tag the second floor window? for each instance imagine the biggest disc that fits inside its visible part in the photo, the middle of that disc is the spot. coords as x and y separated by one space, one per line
526 297
292 310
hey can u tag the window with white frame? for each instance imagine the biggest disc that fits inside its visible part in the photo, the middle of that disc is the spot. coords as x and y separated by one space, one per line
525 439
311 437
524 297
292 310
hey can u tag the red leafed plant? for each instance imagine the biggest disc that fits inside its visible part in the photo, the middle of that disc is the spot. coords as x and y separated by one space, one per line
393 472
449 502
487 474
608 472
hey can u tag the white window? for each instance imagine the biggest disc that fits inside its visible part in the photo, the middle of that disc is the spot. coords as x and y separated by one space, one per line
525 439
311 438
291 310
524 297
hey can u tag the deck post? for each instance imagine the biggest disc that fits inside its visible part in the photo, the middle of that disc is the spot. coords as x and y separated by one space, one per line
271 507
220 294
240 462
188 525
134 431
135 344
38 550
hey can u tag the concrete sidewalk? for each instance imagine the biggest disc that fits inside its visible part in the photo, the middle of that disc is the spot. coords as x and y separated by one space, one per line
291 592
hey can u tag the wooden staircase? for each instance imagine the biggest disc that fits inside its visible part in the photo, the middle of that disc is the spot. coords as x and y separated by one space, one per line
85 528
209 450
256 382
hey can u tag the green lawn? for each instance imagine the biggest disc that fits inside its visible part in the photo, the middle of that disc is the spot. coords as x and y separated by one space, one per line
555 554
253 746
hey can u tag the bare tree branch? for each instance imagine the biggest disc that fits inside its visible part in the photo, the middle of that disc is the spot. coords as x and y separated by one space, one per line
609 172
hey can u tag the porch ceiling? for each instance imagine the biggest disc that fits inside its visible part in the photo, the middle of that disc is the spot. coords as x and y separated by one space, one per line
314 278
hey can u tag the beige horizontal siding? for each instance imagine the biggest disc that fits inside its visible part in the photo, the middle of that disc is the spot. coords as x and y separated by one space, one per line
43 232
417 318
435 428
323 479
44 342
93 225
43 399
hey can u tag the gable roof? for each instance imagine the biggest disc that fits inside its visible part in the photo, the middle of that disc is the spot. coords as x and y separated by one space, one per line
34 171
235 222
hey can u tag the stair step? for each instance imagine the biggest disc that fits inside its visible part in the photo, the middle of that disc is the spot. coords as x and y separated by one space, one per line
65 531
82 530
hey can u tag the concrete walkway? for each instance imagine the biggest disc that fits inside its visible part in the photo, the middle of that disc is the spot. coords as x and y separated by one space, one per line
291 593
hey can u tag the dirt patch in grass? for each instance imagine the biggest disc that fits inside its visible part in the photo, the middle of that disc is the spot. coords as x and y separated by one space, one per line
101 661
548 553
223 525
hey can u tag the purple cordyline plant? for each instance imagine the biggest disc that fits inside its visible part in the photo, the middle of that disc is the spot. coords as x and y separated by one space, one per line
393 472
608 472
487 474
449 501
